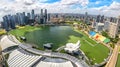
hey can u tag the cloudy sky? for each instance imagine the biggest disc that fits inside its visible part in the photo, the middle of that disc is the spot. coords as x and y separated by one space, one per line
102 7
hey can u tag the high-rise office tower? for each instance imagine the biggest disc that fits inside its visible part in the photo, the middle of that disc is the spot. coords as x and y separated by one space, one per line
98 18
12 22
102 19
41 13
56 16
111 19
45 17
5 23
28 15
86 18
15 19
18 19
48 17
113 29
41 17
37 19
8 22
27 18
21 19
24 18
32 15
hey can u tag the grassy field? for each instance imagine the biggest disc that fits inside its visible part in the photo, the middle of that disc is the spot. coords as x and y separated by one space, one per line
22 31
118 61
62 35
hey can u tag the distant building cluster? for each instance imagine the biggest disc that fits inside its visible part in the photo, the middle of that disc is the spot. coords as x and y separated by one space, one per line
10 21
109 24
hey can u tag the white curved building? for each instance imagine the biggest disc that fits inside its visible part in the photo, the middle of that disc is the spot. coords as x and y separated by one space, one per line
71 47
5 42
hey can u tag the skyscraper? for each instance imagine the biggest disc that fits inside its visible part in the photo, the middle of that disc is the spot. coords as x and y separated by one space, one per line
98 19
45 16
113 29
18 18
102 19
21 19
41 17
32 15
5 23
41 13
48 17
12 22
28 15
8 22
86 18
24 18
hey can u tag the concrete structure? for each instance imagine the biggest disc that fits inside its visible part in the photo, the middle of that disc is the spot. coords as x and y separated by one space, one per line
113 29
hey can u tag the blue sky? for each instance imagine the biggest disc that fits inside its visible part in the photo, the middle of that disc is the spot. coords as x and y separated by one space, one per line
51 1
92 3
102 7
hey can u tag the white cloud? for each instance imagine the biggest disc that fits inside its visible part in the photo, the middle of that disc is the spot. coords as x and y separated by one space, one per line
71 2
97 2
112 10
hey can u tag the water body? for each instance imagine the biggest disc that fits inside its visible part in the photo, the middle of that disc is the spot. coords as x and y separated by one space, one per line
58 35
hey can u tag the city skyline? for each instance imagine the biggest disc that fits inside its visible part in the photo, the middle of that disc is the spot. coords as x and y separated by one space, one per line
95 7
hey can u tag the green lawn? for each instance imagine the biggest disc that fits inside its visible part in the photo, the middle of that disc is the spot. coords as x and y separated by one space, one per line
22 31
118 61
60 36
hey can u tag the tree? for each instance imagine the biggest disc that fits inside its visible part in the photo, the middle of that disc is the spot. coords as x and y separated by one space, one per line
105 34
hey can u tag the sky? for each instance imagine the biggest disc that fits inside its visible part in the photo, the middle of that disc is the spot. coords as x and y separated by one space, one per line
96 7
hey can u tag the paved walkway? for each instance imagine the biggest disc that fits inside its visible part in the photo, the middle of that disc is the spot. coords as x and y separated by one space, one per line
113 59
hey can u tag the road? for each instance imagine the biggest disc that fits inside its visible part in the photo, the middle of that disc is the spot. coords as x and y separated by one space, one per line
113 59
